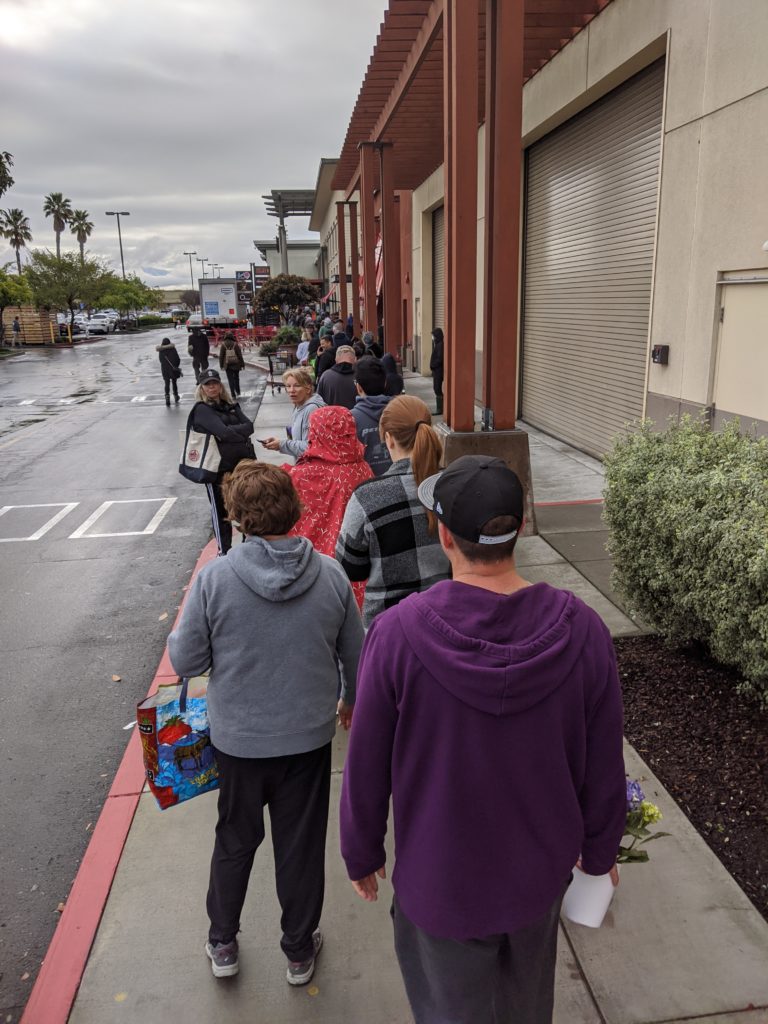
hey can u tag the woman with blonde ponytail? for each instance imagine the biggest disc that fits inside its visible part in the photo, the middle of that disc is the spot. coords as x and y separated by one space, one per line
387 537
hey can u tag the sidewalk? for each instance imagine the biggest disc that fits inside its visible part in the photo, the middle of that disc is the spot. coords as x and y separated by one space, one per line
680 942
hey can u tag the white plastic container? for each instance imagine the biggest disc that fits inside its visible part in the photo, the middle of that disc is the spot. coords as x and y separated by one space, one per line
587 898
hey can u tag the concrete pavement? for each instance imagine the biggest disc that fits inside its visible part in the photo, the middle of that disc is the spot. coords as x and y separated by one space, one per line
680 942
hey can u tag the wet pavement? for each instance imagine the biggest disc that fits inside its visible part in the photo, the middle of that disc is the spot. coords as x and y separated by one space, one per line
98 535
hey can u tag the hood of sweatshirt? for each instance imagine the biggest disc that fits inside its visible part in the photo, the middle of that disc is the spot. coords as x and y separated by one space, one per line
345 369
165 348
276 570
527 651
371 406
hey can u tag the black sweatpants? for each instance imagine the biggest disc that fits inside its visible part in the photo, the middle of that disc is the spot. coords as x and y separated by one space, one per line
501 979
170 382
233 379
198 365
296 788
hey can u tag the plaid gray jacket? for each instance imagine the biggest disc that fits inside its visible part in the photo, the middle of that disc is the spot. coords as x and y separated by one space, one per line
385 539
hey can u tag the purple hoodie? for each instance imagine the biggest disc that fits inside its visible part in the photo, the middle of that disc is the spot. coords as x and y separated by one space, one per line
502 755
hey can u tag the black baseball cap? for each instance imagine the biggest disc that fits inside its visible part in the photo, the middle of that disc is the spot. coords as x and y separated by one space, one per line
471 491
207 375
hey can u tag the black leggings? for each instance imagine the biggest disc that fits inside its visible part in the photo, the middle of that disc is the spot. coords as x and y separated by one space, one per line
222 528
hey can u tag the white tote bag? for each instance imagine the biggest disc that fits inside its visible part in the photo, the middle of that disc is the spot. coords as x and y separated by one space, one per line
200 456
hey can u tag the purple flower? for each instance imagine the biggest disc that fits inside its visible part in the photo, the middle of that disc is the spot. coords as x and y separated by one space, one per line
635 795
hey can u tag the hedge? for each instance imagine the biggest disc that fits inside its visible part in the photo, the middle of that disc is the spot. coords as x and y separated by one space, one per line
688 513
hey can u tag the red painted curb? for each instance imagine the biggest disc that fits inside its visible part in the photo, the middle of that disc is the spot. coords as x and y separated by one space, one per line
61 972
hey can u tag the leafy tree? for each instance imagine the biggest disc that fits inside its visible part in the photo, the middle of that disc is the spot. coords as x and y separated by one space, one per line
62 283
191 298
15 227
129 295
284 291
6 163
14 291
81 227
60 209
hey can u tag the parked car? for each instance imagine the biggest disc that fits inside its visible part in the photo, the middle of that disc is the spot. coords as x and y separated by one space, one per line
98 325
197 320
64 328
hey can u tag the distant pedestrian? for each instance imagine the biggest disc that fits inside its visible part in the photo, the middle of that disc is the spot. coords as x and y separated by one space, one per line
272 706
395 385
326 356
371 347
325 477
436 366
387 536
199 348
16 328
170 366
337 384
299 384
232 362
370 384
489 711
217 414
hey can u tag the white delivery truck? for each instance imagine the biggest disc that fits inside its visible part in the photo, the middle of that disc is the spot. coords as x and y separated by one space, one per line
219 306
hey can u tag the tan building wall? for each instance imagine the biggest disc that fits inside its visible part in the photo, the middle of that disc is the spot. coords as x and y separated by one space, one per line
713 209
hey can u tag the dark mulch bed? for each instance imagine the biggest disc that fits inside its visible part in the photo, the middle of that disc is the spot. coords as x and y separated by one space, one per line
707 745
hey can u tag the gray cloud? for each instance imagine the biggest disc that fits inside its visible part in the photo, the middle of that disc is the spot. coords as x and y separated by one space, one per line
183 112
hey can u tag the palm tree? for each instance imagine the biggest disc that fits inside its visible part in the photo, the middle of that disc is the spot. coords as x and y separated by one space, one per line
80 226
15 227
60 209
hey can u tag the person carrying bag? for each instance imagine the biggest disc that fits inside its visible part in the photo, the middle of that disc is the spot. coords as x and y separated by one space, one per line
217 426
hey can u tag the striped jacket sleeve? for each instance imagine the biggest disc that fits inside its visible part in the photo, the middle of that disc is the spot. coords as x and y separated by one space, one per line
353 546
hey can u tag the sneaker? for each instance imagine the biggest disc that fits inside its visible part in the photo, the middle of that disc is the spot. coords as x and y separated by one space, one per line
223 957
300 973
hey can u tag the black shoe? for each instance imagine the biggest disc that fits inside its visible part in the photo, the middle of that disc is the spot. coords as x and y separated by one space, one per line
168 401
176 399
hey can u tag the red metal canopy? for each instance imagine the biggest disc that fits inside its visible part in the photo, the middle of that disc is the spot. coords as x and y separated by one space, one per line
401 98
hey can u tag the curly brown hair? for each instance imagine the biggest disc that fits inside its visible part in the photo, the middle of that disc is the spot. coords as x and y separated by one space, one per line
261 498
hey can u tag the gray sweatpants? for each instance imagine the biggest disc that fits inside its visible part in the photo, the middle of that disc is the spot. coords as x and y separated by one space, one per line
500 979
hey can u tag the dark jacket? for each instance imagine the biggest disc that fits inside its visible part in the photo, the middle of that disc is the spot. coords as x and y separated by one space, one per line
324 362
395 384
337 385
199 347
366 414
231 346
436 359
231 428
169 361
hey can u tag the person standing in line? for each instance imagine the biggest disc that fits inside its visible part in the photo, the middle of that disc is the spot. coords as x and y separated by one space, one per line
170 367
486 843
277 625
299 385
216 413
395 385
386 537
370 384
326 356
371 347
16 328
337 384
436 366
199 349
232 362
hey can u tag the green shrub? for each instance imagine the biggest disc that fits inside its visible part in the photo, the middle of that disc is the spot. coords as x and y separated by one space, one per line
285 336
154 321
688 514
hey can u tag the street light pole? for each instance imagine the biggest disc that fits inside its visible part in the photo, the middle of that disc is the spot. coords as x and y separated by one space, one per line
119 214
191 278
204 260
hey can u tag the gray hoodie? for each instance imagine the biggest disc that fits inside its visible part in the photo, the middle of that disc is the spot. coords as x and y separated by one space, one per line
274 622
298 441
366 414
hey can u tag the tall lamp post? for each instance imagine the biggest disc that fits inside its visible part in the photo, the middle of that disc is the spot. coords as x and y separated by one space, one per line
204 260
119 214
191 278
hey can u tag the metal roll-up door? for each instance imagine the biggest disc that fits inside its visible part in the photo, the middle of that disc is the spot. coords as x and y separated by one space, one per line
591 199
438 268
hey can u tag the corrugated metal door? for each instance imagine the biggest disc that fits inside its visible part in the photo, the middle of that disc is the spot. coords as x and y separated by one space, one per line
438 268
591 196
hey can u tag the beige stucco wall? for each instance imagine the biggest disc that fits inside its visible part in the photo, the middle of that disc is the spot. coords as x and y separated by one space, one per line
713 206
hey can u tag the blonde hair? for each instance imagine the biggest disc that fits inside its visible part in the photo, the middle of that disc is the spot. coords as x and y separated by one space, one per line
301 375
409 422
200 395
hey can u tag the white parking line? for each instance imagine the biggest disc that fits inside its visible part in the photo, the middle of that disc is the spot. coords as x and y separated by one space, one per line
66 508
153 524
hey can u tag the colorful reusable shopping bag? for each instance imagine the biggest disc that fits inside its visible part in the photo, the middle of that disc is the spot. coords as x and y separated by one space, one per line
176 741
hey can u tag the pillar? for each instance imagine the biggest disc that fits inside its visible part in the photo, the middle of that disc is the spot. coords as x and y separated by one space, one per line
368 228
503 130
390 236
340 224
355 261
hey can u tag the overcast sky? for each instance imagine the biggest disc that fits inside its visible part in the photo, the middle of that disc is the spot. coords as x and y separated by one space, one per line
181 111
